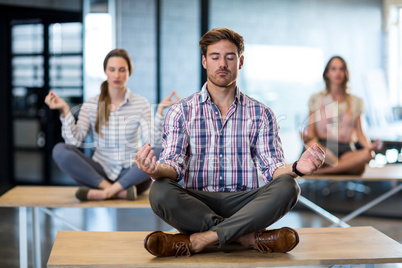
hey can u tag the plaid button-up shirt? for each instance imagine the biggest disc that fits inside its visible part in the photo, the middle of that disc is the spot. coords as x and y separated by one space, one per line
211 153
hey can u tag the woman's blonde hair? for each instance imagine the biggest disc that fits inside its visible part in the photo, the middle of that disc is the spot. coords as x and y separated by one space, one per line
104 102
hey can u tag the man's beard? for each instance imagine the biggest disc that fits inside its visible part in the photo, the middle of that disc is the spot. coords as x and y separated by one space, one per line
226 82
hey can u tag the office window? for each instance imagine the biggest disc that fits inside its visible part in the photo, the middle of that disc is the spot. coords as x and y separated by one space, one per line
27 38
65 60
65 38
27 71
65 71
36 69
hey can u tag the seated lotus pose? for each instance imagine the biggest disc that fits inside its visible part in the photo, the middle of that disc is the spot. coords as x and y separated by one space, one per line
118 119
334 124
214 141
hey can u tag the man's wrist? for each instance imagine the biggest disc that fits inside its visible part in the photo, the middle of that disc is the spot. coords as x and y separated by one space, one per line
294 170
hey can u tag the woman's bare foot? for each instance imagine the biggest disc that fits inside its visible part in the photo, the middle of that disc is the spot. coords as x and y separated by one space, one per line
122 194
95 194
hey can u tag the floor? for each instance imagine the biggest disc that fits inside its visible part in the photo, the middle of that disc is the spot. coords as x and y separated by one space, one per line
386 218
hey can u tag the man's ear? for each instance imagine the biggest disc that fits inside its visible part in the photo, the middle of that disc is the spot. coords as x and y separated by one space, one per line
204 64
241 62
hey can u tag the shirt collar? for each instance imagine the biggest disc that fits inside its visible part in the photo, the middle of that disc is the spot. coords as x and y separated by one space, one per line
127 96
205 95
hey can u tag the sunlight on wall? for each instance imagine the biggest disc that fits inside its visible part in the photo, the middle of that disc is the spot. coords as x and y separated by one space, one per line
284 63
276 75
98 42
284 77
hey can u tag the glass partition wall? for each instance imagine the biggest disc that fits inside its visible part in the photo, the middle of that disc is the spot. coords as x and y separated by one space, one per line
288 44
44 56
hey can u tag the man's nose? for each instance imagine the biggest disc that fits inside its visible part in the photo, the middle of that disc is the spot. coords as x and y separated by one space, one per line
222 63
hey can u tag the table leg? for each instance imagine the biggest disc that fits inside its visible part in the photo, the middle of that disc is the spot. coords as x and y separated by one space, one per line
23 237
53 215
369 205
36 246
322 212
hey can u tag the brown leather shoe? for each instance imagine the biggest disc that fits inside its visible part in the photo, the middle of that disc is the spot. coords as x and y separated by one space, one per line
163 245
276 240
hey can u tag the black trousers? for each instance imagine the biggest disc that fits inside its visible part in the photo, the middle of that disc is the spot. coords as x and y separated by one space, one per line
230 214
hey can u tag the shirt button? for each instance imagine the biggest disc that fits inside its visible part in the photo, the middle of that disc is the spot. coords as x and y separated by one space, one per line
216 112
220 155
220 178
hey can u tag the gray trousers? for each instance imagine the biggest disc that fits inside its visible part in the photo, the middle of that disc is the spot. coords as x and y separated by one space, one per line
230 214
87 172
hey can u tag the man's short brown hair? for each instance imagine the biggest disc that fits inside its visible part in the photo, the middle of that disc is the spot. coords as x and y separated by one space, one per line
217 34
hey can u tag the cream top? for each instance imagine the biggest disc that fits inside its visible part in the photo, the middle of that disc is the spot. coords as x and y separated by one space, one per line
335 120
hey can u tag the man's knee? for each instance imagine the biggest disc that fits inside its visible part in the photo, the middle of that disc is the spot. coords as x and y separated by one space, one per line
162 192
288 185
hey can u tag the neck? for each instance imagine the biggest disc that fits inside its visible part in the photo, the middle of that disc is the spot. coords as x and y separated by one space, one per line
337 91
222 97
117 95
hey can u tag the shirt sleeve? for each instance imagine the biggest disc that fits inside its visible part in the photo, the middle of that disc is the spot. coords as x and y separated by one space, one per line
175 141
313 102
357 106
268 150
158 128
74 132
146 123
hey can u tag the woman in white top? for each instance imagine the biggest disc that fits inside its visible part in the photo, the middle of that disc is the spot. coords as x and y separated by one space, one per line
120 122
335 123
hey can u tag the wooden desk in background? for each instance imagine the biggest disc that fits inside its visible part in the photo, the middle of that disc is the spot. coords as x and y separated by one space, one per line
390 172
41 198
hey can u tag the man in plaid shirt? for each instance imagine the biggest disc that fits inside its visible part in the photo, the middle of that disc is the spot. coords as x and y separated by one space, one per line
214 141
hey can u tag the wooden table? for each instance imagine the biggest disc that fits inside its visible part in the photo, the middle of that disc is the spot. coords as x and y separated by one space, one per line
318 246
390 172
44 197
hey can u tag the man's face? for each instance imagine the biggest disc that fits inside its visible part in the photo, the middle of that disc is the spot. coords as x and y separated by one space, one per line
222 63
